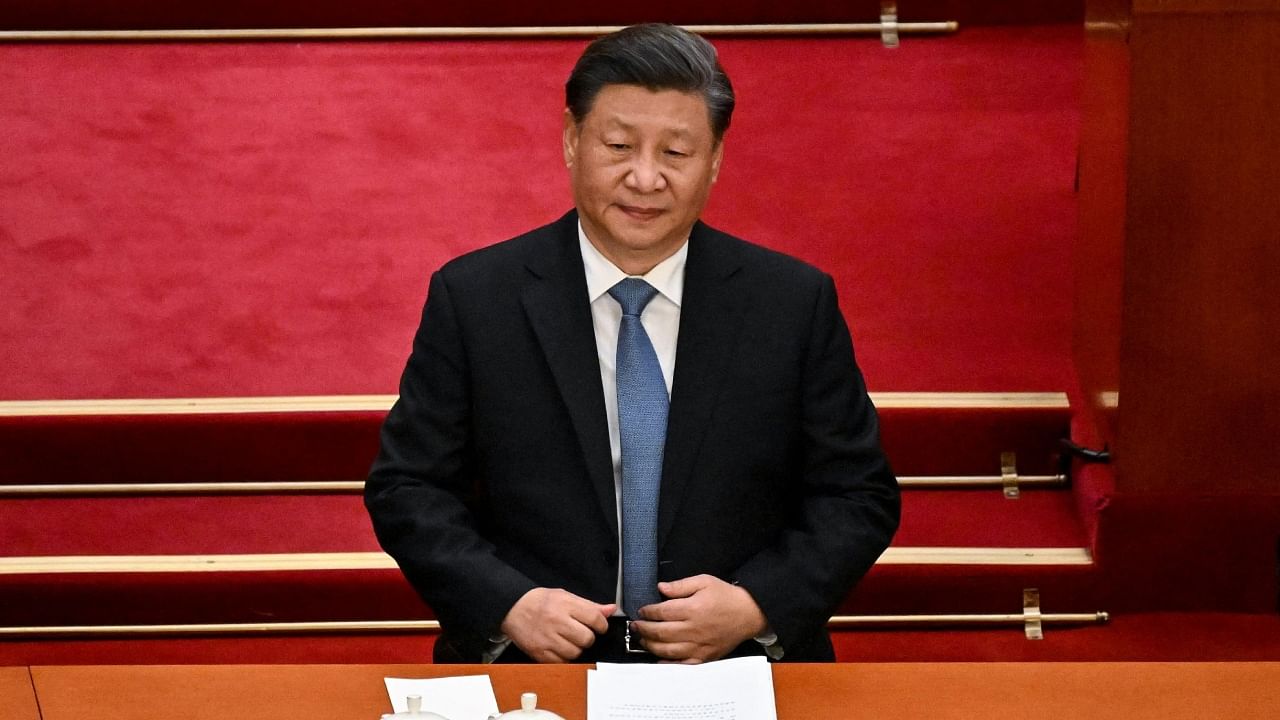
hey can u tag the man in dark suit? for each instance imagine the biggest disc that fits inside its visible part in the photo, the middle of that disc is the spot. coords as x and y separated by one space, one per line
626 435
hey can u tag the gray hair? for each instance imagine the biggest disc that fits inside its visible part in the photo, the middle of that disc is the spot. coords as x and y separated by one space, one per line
656 56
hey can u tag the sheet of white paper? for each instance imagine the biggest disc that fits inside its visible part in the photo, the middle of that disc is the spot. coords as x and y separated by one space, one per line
747 665
469 697
738 689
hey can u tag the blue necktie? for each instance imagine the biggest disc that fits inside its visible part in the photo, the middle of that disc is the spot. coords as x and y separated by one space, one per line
642 420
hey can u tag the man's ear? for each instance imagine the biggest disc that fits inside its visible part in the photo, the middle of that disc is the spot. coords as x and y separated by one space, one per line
569 138
717 154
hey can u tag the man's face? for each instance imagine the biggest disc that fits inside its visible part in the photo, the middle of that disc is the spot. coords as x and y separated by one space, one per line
642 164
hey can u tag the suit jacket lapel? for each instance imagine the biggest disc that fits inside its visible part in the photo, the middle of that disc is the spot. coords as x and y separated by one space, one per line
555 301
711 317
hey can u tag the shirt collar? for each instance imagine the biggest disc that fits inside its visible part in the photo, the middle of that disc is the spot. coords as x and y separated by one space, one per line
667 276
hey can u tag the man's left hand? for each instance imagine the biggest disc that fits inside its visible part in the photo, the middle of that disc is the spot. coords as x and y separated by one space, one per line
703 618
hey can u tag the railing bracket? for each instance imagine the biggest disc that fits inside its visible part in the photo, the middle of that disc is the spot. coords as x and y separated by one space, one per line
889 24
1009 475
1031 614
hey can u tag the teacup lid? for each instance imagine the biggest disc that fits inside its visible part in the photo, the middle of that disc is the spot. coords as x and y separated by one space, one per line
529 710
415 711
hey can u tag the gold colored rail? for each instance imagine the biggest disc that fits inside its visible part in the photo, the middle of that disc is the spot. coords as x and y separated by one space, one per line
838 622
278 628
978 481
354 487
345 487
469 33
1018 619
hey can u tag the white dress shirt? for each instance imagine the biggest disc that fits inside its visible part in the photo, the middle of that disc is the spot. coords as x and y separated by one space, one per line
661 321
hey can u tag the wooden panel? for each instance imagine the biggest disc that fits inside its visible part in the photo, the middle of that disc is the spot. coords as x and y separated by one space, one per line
885 691
1200 358
1102 178
248 692
1146 7
17 696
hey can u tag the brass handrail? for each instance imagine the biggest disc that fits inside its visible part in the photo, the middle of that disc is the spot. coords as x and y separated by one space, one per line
354 487
469 33
430 626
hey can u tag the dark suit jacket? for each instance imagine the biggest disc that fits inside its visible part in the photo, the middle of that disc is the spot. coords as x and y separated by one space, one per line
495 475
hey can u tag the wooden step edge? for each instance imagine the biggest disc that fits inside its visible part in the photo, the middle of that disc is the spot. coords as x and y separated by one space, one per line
972 400
1050 556
381 403
287 562
197 406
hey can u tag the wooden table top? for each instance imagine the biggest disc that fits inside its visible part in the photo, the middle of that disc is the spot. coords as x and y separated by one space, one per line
17 697
881 691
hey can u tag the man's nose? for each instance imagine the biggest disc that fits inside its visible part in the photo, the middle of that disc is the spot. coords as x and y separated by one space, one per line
645 175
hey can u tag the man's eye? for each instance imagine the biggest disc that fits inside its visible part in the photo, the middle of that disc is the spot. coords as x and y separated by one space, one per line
677 153
618 146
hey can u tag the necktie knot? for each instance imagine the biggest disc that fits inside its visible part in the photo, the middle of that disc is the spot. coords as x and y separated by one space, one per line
633 294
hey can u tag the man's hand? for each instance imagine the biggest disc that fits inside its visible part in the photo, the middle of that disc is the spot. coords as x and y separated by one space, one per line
554 626
704 618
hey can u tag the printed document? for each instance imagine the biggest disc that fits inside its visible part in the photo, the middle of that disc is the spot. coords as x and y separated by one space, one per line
737 689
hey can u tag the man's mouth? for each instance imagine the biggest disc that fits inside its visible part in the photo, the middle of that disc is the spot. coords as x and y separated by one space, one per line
640 213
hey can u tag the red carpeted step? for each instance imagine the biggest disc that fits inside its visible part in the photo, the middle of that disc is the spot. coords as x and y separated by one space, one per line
297 649
313 557
1068 582
258 446
335 439
1039 518
184 525
195 525
201 596
145 554
195 596
969 441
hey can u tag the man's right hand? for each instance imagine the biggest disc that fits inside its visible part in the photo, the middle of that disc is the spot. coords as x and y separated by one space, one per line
553 625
